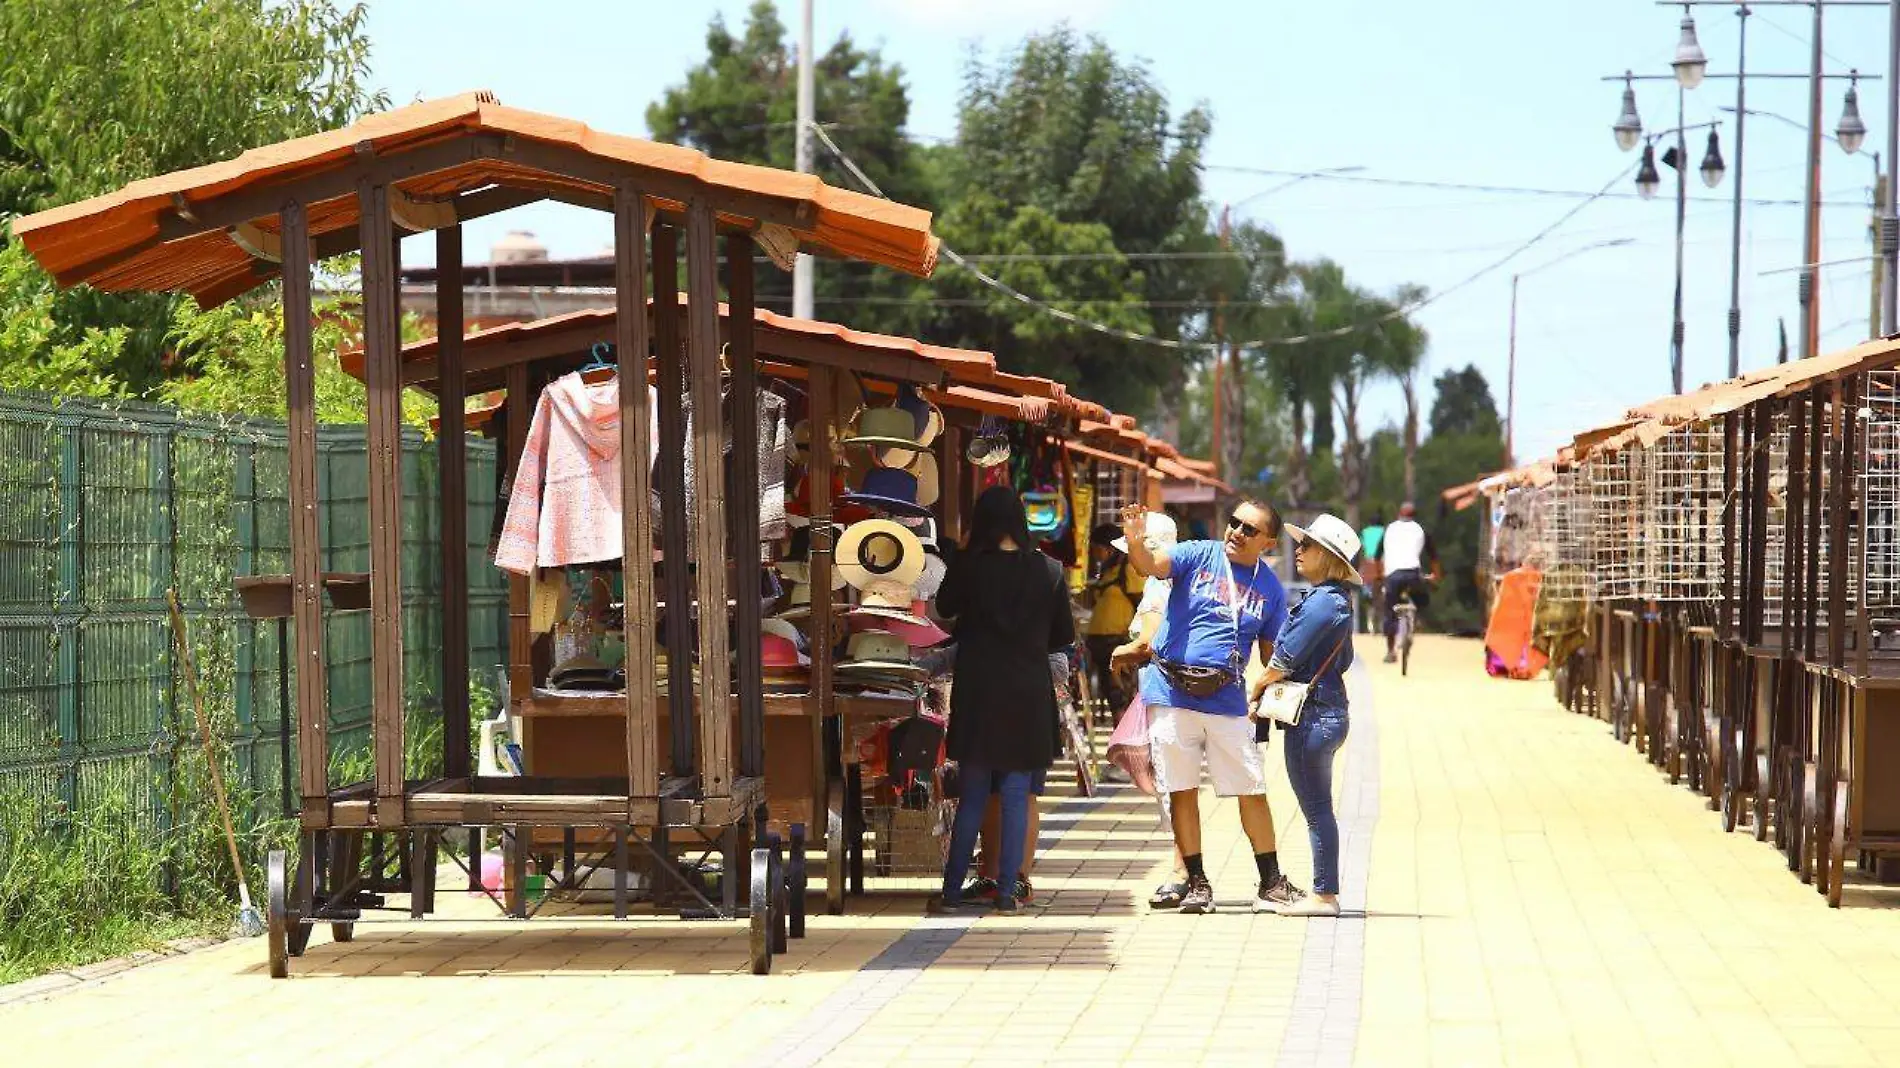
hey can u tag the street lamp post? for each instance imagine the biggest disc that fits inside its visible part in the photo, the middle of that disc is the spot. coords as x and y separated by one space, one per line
1510 376
1690 69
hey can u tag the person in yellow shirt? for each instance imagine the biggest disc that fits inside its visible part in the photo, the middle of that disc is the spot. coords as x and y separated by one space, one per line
1114 590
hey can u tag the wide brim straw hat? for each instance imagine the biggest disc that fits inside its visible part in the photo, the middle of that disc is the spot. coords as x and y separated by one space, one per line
1334 535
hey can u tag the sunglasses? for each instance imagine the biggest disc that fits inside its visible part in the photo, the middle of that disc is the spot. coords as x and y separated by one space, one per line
1246 529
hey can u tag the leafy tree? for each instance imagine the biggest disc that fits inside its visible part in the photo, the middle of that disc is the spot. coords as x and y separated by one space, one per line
1064 148
1463 405
95 95
741 103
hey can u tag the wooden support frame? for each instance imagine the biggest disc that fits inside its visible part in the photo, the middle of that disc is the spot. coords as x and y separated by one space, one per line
630 266
313 701
670 382
709 465
452 462
381 345
743 518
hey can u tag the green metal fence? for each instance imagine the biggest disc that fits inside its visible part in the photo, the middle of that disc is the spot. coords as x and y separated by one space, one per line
104 508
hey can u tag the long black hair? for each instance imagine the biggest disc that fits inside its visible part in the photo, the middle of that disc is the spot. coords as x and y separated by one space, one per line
999 514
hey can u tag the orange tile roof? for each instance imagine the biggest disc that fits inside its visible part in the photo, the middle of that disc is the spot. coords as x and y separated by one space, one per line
115 241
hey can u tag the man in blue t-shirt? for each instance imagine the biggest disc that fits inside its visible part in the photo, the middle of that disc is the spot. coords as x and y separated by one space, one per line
1225 603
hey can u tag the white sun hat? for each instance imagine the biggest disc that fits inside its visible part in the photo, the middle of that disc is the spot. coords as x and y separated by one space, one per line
1333 534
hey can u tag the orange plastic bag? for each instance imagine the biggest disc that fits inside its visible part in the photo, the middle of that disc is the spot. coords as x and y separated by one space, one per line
1508 636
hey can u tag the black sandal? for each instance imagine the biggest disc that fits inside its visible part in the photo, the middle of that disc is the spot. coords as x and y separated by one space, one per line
1168 895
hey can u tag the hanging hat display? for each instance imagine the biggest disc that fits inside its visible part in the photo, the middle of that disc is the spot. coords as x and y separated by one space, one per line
896 608
990 446
892 430
879 549
924 469
889 489
931 580
876 655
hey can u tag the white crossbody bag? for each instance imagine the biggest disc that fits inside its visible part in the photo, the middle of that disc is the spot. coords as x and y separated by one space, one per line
1282 701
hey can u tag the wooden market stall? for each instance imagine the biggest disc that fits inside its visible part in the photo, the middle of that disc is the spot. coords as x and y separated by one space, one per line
813 739
1745 558
222 230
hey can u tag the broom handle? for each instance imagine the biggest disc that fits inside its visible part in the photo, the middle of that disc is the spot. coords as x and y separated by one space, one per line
204 734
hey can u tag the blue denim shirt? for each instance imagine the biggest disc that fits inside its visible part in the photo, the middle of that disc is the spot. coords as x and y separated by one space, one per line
1318 625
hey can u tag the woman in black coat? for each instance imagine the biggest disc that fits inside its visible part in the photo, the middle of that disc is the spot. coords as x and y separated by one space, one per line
1011 606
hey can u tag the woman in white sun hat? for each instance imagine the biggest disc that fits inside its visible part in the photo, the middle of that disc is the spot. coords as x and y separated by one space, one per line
1315 646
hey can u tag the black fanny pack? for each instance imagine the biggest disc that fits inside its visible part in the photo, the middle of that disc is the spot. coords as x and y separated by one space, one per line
1196 681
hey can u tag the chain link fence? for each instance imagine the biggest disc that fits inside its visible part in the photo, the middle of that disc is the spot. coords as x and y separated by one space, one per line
105 507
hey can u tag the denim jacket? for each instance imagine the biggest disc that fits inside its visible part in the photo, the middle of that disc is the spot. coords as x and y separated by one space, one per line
1318 625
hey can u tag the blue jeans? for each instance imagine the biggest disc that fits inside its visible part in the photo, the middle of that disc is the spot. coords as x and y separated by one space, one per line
974 785
1310 748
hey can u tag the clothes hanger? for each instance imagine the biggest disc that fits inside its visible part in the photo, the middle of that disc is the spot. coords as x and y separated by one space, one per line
591 372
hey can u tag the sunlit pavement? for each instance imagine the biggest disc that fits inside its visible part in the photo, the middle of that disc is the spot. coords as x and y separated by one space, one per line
1520 888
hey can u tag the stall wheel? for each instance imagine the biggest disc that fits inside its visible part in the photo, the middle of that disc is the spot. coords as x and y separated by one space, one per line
761 912
797 883
834 848
1807 857
1764 780
1837 856
277 920
1732 782
775 879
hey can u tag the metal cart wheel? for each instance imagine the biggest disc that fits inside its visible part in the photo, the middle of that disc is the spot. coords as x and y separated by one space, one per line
780 898
797 882
1837 856
834 848
1764 782
302 894
346 861
1731 781
278 914
761 912
1808 860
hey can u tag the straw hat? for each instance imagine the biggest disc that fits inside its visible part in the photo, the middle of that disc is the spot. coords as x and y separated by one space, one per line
877 652
879 549
888 489
892 429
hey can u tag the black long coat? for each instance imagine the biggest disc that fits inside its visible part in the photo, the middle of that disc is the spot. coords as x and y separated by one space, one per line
1012 611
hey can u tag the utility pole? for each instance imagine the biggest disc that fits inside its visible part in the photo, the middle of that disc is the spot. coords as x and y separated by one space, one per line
1888 269
1510 386
1808 291
802 276
1229 387
1735 230
1682 213
1873 230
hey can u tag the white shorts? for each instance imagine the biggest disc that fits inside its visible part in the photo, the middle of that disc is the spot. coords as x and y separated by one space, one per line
1181 738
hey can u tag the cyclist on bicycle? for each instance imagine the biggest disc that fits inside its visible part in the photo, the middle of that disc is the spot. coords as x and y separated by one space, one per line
1405 551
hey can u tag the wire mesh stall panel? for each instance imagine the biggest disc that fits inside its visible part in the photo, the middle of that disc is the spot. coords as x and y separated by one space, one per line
1879 473
1617 490
1558 539
1813 514
1509 531
1682 529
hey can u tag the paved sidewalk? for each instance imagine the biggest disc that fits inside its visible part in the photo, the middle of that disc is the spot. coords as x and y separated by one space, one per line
1541 895
1533 893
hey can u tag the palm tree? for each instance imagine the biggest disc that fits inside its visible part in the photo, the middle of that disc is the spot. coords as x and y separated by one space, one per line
1404 343
1253 289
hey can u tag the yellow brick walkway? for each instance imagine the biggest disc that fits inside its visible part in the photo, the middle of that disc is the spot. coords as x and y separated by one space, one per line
1537 895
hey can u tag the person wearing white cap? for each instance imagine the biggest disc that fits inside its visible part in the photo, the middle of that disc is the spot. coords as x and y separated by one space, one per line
1315 647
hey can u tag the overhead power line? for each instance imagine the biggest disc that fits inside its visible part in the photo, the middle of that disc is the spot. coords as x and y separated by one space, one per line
1515 190
1205 346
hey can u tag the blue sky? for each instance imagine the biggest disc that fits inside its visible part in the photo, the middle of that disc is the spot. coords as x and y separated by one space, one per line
1481 92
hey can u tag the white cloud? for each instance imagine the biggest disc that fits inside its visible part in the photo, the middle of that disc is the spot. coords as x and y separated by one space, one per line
979 17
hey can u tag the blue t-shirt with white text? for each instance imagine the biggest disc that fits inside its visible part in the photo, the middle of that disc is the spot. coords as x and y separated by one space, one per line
1199 627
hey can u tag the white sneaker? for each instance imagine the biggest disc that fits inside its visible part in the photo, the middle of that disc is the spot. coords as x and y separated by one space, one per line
1311 906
